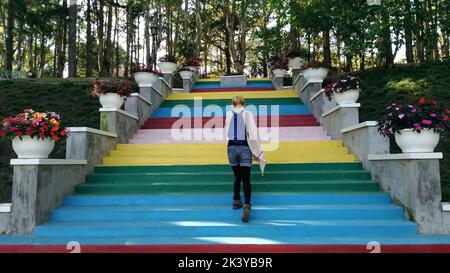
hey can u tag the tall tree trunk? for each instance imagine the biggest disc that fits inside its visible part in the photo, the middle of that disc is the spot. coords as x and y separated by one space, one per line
89 39
198 28
418 30
327 48
30 52
129 38
387 41
108 46
20 50
43 52
10 35
101 37
117 46
408 33
148 49
73 13
240 63
62 51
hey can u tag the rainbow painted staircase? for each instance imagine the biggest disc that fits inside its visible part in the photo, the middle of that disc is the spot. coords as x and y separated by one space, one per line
158 194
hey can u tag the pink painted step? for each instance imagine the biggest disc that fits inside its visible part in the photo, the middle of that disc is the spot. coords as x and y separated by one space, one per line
282 134
169 140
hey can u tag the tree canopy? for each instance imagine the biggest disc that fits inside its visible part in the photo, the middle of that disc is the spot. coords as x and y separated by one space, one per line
105 38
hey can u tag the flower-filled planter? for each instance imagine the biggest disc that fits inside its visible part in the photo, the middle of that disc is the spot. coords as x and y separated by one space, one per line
279 66
279 73
145 76
33 134
168 64
296 58
344 91
416 128
111 93
186 73
314 72
193 64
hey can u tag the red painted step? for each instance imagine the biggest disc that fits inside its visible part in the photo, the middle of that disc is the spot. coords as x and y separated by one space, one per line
425 248
235 89
284 121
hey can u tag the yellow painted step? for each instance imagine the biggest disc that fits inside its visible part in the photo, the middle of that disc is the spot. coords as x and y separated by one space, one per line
218 146
230 95
183 160
213 153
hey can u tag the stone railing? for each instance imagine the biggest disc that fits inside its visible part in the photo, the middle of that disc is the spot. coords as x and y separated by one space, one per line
412 180
40 185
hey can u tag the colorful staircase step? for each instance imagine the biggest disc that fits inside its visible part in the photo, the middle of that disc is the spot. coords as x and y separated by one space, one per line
235 89
230 95
225 102
228 228
218 111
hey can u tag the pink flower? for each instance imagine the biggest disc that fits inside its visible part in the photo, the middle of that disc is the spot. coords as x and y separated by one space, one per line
433 115
417 126
427 122
401 116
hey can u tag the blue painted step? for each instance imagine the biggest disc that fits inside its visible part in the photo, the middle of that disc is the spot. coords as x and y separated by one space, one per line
220 111
220 213
229 228
219 199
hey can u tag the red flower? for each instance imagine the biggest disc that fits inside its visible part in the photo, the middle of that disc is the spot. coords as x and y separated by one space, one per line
445 118
24 121
18 133
2 134
422 101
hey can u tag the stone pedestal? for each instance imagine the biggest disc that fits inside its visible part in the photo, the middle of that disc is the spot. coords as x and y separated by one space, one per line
39 186
413 180
233 81
124 124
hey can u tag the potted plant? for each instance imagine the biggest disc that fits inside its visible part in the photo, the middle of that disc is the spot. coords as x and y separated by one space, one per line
193 63
33 134
416 127
296 58
279 66
344 91
186 73
168 64
314 71
144 75
112 93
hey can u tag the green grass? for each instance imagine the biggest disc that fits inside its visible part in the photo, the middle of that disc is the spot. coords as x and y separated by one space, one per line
72 100
406 84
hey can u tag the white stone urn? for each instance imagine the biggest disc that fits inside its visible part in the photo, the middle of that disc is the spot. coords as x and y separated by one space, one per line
412 142
186 75
192 68
279 73
111 100
145 79
347 97
32 148
295 63
315 74
167 67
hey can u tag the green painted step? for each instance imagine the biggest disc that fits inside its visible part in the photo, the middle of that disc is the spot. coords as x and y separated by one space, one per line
227 176
223 102
355 166
226 187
